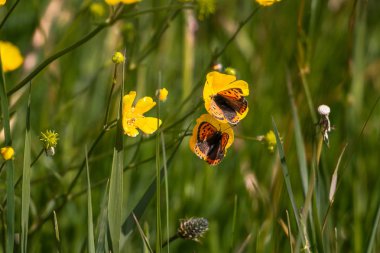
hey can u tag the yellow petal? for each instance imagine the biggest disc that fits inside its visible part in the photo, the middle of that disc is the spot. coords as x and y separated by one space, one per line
148 124
112 2
128 101
267 2
11 57
130 1
2 2
217 81
144 104
7 153
162 94
130 130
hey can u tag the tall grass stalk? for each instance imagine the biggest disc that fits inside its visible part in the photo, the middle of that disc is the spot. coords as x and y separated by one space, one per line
167 200
158 177
26 174
10 211
303 235
301 153
90 223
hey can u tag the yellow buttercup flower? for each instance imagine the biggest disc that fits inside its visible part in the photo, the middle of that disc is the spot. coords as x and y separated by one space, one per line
162 94
114 2
224 97
133 116
267 2
2 2
11 57
7 153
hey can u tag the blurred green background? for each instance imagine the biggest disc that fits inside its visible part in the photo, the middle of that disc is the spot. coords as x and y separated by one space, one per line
328 51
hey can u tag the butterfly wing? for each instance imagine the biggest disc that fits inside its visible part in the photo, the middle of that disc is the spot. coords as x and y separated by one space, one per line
218 149
205 132
231 103
235 99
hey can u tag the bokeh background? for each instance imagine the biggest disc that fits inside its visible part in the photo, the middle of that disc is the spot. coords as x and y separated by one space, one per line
326 52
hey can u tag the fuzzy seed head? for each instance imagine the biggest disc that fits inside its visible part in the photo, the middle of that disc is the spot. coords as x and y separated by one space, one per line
324 110
193 228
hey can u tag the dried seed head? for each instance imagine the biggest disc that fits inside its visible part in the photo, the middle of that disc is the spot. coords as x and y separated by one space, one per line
193 228
324 110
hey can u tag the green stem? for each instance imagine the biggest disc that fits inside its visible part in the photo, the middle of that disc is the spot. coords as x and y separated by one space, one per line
52 58
9 14
110 96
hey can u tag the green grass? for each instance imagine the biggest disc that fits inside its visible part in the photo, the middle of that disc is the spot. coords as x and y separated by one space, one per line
129 194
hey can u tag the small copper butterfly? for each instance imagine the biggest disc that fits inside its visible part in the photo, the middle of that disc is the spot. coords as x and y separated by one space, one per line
209 143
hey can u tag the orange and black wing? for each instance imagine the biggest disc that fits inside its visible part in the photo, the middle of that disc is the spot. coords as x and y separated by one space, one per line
218 150
206 132
231 102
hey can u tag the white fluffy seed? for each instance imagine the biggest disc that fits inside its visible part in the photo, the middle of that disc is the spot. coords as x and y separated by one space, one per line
324 110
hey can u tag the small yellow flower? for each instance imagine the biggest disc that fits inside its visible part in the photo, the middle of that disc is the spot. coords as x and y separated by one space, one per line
49 138
270 140
97 9
118 58
162 94
133 116
2 2
7 153
267 2
11 57
114 2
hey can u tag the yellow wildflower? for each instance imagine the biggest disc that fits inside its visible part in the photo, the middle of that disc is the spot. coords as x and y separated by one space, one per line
2 2
114 2
11 57
162 94
97 9
267 2
133 116
7 153
49 138
118 58
270 140
224 97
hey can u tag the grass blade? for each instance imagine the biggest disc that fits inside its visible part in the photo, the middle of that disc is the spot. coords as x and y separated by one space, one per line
26 173
289 187
145 239
166 187
10 212
140 207
115 199
102 223
301 153
374 231
56 230
90 225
